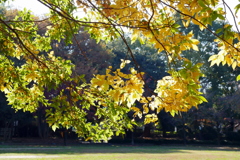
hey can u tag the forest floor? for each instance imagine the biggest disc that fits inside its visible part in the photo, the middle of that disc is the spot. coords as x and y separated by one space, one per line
58 141
40 141
119 152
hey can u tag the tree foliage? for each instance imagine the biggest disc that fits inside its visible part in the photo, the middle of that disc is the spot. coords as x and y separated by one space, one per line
88 56
113 94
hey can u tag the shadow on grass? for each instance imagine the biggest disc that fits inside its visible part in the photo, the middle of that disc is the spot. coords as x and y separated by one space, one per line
107 148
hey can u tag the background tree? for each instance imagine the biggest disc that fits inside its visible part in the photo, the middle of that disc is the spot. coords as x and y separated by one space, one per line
219 81
14 123
115 93
88 56
153 64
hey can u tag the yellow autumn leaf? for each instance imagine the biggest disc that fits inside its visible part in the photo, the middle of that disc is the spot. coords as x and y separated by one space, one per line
2 88
145 109
194 47
234 65
238 78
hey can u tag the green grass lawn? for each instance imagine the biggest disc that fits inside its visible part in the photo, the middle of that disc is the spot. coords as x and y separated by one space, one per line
121 152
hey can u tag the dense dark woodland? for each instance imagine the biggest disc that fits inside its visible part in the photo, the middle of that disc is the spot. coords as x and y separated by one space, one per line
215 122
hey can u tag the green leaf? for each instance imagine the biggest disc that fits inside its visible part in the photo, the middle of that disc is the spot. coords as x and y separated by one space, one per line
54 127
214 16
148 116
221 17
134 37
174 30
237 7
173 113
213 3
202 4
141 40
203 99
238 77
176 25
219 30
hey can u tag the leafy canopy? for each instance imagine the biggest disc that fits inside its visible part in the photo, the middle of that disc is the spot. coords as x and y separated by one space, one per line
114 94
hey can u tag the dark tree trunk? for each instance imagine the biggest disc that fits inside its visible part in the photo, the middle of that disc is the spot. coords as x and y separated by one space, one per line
184 130
132 138
147 130
65 136
8 131
218 134
43 128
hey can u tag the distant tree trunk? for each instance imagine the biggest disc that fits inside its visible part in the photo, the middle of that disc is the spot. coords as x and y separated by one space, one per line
132 141
8 129
164 131
218 133
147 130
165 121
232 125
184 130
65 136
43 128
